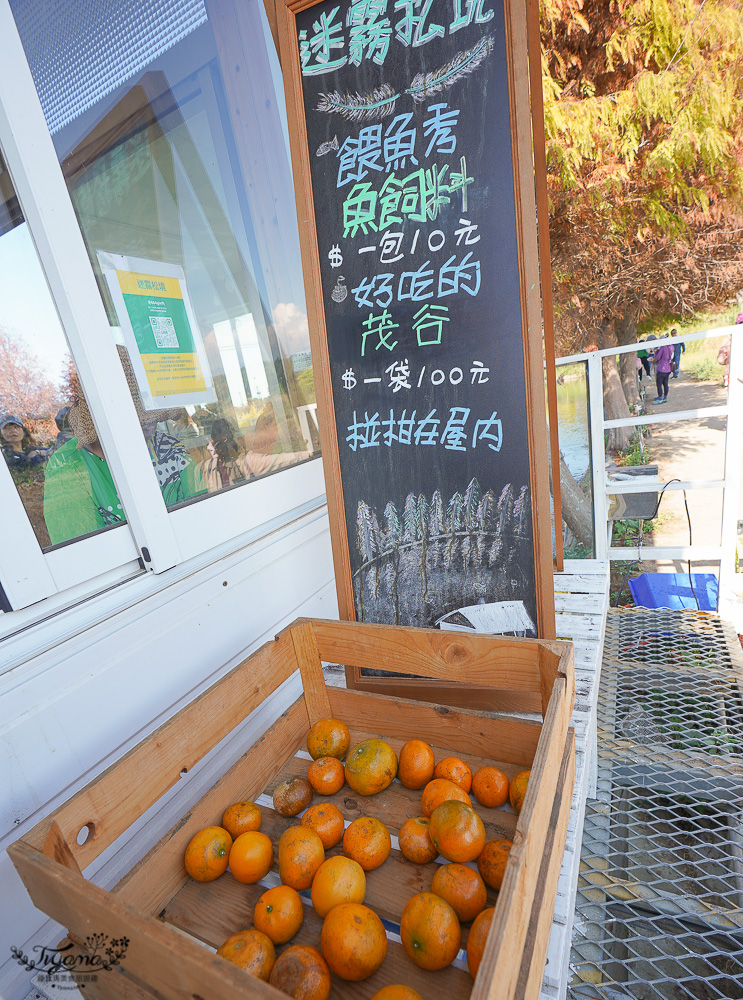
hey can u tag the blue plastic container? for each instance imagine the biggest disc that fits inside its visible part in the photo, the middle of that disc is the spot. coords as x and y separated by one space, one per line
673 590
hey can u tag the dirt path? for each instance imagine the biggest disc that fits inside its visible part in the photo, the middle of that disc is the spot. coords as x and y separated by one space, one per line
689 450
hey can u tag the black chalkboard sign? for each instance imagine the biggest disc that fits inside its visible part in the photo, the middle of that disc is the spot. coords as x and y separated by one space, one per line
402 129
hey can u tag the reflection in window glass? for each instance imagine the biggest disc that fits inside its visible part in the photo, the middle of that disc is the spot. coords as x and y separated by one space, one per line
172 149
62 478
575 462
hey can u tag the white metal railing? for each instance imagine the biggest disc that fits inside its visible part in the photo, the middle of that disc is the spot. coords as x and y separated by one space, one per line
730 484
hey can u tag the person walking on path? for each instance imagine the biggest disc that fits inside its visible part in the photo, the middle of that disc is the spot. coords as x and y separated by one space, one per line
677 349
642 357
723 355
662 358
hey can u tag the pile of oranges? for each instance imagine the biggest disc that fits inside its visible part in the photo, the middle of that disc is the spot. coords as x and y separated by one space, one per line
353 941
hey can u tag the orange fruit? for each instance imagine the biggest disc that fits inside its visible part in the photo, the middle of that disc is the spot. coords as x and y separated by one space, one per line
241 818
462 888
353 941
279 913
208 854
457 832
367 840
430 931
415 767
397 993
326 775
250 950
415 843
302 973
292 796
518 790
490 787
328 738
327 822
300 855
337 880
441 790
251 857
492 861
370 767
477 937
454 769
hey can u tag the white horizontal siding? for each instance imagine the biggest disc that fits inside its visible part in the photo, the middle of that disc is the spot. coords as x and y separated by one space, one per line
68 713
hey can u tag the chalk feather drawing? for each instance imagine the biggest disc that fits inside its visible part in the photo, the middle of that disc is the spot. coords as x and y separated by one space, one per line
380 103
359 107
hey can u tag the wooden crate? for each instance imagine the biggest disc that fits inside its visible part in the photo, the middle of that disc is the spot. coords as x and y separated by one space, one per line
156 902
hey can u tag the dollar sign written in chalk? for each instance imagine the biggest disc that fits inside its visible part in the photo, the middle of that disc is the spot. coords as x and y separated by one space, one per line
335 256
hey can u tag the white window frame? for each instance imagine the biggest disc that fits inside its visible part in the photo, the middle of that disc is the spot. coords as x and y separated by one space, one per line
159 538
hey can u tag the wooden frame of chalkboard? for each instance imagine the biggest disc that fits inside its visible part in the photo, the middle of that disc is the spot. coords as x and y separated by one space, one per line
342 122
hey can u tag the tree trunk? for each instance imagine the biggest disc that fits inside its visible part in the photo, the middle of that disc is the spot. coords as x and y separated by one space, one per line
626 329
615 403
577 511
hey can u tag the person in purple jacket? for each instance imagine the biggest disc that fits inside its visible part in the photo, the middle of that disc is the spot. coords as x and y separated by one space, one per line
662 358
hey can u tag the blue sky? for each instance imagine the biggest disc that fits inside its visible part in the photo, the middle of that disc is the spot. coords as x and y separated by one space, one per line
26 308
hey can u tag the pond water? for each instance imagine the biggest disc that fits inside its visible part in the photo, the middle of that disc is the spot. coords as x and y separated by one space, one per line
572 413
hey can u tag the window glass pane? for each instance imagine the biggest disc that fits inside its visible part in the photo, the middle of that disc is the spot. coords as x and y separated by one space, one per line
166 122
575 460
47 436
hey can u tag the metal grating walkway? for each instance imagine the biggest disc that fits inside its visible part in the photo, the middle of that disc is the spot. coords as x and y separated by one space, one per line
659 907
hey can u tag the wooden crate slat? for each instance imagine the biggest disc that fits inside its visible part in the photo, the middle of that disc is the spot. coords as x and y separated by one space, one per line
110 803
114 985
448 656
163 957
453 694
499 970
310 666
161 873
462 731
540 924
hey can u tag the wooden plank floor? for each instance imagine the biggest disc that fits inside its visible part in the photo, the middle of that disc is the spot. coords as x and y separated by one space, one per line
581 602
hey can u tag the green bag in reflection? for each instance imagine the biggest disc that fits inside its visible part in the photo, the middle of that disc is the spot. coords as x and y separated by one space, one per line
80 495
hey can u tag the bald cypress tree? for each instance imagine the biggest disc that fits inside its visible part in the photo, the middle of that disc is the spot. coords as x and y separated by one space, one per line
644 133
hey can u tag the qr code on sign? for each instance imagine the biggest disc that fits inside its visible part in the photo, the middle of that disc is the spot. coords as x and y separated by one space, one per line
162 327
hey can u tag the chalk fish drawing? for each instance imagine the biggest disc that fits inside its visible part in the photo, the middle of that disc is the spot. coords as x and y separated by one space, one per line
326 147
